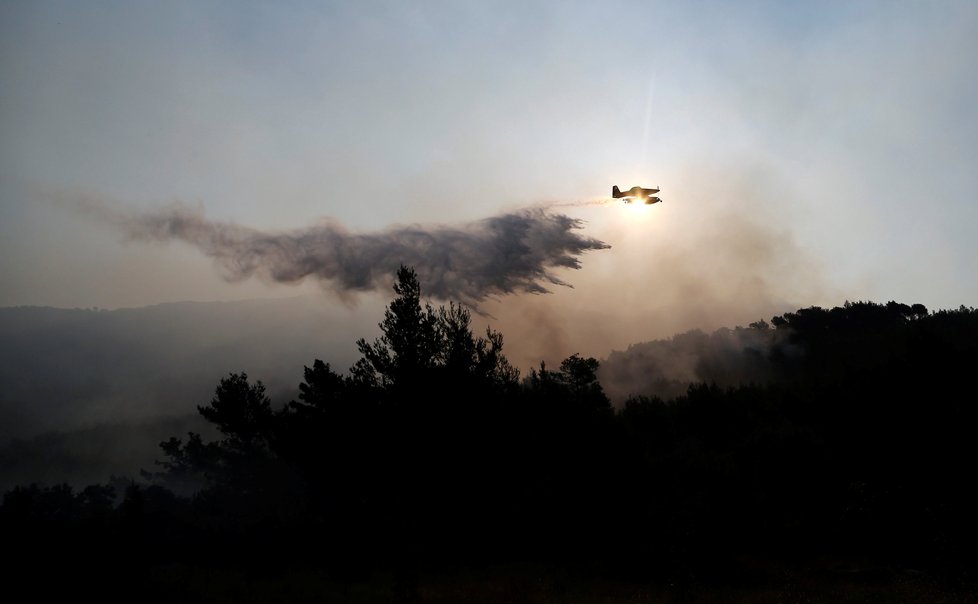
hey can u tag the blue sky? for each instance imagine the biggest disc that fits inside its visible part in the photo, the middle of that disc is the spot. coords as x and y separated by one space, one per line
808 153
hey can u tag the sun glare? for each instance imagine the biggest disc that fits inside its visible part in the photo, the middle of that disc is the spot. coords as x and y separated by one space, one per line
637 207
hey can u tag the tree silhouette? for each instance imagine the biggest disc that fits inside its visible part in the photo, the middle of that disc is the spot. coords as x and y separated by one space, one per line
409 344
242 412
854 436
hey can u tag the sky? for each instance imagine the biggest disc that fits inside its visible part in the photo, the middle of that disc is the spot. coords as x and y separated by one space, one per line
808 153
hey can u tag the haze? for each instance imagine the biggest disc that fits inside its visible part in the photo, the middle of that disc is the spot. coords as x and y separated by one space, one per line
807 154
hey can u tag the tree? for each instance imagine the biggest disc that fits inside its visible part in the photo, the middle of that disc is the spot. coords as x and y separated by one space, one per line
581 375
244 461
575 382
419 343
410 342
479 361
321 389
241 411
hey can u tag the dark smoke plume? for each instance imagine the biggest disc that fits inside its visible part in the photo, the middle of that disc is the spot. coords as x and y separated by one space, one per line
513 252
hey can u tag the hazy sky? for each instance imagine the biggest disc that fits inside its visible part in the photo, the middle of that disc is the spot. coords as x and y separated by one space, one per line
808 153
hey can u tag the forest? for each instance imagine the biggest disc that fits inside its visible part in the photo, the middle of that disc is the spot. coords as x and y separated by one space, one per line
844 460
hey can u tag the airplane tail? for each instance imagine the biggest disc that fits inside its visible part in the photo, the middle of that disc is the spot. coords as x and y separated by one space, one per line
615 192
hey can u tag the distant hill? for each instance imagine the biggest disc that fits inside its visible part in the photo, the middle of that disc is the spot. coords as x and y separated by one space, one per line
88 393
837 441
68 376
825 342
71 368
666 367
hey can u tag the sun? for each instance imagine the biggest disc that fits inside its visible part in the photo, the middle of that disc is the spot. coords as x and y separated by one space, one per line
637 208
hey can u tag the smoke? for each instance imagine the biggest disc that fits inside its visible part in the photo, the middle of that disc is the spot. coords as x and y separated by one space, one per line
666 367
510 253
722 251
598 201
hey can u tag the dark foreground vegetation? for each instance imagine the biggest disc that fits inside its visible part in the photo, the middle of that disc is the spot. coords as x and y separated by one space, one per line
432 472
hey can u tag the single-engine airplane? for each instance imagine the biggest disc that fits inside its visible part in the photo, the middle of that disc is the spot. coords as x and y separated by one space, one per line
636 194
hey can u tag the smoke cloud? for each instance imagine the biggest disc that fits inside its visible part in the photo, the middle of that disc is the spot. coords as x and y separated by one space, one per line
721 251
666 367
510 253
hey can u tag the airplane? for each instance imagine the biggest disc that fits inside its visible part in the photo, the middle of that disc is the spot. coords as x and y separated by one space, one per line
636 193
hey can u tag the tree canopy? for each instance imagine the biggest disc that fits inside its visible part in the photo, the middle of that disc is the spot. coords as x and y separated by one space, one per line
432 449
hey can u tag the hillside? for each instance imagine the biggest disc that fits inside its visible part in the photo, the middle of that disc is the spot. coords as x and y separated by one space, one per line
843 459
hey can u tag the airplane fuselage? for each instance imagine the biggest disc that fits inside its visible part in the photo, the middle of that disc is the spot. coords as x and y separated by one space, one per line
636 193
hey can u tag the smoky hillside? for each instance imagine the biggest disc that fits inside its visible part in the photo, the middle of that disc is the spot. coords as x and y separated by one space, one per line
827 450
824 451
71 368
88 393
665 368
